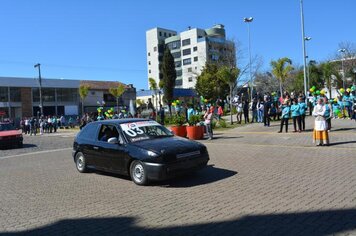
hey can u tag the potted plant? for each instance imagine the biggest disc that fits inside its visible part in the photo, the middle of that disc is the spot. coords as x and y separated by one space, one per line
178 129
193 130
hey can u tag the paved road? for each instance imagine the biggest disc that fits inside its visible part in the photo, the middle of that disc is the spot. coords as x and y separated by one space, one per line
258 183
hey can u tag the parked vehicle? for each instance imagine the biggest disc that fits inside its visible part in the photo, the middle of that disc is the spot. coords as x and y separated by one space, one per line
10 136
141 148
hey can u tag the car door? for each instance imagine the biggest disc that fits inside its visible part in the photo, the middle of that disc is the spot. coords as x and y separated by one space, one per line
102 148
87 141
114 153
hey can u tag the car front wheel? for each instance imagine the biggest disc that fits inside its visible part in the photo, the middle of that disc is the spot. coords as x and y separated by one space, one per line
80 162
138 173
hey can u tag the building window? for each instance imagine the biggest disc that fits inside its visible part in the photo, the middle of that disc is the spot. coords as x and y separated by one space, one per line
160 76
174 45
4 94
149 71
178 64
155 49
195 58
48 94
190 69
187 61
67 95
185 42
165 34
169 34
178 73
195 49
149 54
186 51
15 95
149 62
179 82
160 33
190 79
176 55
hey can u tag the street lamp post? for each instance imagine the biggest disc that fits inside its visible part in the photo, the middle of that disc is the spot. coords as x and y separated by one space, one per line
307 65
38 65
249 20
304 52
342 51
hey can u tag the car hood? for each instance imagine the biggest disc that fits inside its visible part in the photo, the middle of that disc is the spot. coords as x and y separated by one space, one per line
169 145
9 133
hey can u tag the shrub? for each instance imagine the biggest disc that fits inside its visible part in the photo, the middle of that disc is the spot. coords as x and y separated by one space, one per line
178 120
194 120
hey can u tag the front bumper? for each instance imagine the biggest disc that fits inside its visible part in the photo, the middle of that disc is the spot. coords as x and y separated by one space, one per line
158 171
9 142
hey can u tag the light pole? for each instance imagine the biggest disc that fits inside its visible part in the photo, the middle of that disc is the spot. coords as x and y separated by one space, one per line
308 66
249 20
38 65
304 53
342 51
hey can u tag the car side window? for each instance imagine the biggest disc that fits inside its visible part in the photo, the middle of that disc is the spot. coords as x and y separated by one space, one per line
106 132
88 132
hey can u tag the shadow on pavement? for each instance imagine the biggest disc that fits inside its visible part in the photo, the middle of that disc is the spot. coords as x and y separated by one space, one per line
207 175
340 143
25 145
316 223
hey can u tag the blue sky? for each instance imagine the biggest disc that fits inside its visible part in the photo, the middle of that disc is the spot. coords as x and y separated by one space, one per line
105 40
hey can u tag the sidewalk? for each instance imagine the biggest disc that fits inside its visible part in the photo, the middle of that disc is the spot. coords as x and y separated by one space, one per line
342 134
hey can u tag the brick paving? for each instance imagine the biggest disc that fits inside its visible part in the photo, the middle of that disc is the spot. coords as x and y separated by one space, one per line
258 183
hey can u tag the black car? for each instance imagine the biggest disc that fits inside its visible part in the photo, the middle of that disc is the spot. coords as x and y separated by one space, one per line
141 148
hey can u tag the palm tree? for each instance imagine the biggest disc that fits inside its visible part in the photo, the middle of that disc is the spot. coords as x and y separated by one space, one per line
229 75
83 93
153 87
117 92
281 70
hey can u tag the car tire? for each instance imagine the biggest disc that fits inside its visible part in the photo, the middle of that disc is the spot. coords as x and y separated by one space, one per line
138 173
80 162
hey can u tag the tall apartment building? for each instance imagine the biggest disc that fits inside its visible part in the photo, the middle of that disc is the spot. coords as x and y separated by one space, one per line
191 49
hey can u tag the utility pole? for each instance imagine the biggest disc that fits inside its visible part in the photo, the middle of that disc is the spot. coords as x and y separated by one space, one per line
248 21
304 53
38 65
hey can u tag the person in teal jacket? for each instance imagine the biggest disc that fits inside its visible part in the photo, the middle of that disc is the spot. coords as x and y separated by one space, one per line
285 116
336 109
302 111
295 110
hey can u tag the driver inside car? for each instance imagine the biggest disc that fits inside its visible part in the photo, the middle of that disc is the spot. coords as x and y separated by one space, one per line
107 135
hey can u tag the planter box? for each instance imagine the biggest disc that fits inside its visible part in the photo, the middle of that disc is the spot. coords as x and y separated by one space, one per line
195 132
180 131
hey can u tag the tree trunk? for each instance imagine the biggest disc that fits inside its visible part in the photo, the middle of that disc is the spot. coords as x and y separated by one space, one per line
170 109
231 105
82 106
117 105
280 88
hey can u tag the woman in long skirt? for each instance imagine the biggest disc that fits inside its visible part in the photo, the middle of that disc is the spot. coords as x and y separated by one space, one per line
320 134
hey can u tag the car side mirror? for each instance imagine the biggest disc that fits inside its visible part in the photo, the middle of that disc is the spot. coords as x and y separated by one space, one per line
113 140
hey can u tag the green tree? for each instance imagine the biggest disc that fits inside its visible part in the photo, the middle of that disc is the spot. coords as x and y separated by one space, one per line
169 77
229 75
281 70
209 84
154 88
83 93
117 92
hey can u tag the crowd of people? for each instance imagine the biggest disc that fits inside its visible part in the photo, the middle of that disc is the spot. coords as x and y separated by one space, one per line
293 106
45 124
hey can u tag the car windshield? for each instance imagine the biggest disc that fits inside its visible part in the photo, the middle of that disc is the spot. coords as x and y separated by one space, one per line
144 130
5 127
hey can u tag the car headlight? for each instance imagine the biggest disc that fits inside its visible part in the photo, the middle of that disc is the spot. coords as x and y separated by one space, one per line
152 154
